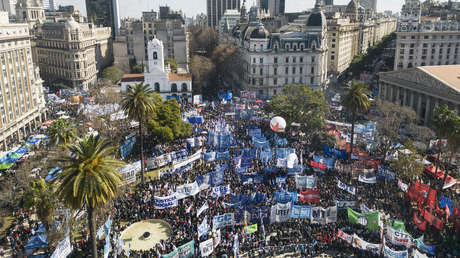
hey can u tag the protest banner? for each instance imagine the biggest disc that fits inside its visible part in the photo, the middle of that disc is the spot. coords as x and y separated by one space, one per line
63 249
304 182
417 254
220 190
364 245
344 236
349 189
187 190
192 158
220 221
251 229
399 238
186 250
203 208
370 220
367 180
252 214
128 173
319 165
127 146
365 209
344 204
322 216
390 253
300 212
206 247
203 228
165 202
309 196
429 249
385 173
280 212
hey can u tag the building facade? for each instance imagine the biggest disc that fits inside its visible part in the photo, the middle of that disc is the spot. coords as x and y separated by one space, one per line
49 5
343 38
274 7
30 12
171 31
369 4
216 9
422 89
228 21
8 6
128 46
72 53
104 13
273 60
22 106
159 76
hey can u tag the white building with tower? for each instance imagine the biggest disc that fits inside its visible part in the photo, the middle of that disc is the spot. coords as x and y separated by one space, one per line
160 77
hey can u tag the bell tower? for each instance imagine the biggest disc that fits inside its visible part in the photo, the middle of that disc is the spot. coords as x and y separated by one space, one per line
155 56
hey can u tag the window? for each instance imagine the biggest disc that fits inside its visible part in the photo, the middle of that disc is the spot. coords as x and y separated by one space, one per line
401 51
333 45
184 87
312 59
293 59
287 59
155 56
157 87
261 82
301 70
254 60
275 82
312 80
286 70
261 71
275 60
253 70
261 60
301 59
286 81
173 87
293 70
313 70
275 71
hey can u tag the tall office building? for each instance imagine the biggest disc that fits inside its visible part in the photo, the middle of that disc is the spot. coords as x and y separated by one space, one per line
105 13
368 4
274 7
329 2
216 9
49 5
22 105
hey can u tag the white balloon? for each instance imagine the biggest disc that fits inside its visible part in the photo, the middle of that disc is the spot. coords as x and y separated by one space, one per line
278 124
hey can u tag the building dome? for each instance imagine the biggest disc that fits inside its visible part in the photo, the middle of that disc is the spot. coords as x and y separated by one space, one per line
71 24
317 19
259 32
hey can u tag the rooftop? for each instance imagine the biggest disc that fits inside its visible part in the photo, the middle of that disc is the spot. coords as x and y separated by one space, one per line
447 74
132 77
179 77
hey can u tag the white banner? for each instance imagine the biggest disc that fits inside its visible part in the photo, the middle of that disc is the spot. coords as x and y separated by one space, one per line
344 236
203 228
370 180
322 215
350 189
158 161
305 182
280 212
128 172
365 209
195 156
400 238
165 202
389 253
418 254
228 219
206 247
203 208
363 245
220 190
63 249
187 190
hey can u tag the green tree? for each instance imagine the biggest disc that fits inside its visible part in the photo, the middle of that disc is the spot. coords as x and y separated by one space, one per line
112 73
355 100
408 164
172 63
202 69
321 138
61 131
139 68
40 197
90 178
447 126
139 104
167 124
300 104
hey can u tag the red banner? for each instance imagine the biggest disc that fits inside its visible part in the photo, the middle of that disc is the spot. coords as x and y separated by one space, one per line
319 165
450 181
419 222
431 200
309 196
433 220
419 192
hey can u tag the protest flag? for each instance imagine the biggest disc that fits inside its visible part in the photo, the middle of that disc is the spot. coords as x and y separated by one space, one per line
251 229
369 220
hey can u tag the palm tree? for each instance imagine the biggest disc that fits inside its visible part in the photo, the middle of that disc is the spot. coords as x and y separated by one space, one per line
355 100
90 178
446 124
138 103
61 131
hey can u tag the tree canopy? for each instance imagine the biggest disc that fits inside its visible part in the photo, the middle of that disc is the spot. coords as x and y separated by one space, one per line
61 131
166 124
112 73
40 197
300 104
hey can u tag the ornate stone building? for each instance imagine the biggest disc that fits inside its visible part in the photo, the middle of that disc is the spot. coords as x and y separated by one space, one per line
72 52
22 106
272 60
422 88
30 12
425 41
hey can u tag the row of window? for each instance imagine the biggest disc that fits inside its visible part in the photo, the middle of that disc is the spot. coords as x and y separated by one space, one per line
298 80
286 70
286 59
434 37
173 87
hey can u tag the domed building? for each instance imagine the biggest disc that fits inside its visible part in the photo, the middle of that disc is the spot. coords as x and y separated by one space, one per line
273 60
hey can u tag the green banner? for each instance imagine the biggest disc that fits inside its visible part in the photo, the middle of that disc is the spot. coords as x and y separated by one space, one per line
4 165
399 225
184 251
251 229
369 220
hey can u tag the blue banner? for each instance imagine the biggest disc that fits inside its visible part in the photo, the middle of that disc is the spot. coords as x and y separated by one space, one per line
385 174
245 200
127 147
223 156
296 170
285 197
266 156
281 180
283 153
252 179
446 201
329 151
256 132
300 212
228 219
254 214
328 161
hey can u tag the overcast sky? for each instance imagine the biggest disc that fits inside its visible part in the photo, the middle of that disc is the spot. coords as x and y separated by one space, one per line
134 8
